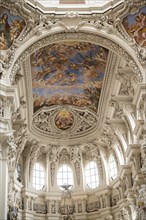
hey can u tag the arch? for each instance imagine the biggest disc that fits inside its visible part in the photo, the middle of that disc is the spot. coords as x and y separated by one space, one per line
102 39
122 140
119 153
130 119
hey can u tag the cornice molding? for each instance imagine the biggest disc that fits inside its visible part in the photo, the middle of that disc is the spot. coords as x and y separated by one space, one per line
87 37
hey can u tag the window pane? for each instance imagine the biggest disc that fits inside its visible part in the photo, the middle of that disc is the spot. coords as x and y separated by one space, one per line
38 176
64 176
112 167
91 175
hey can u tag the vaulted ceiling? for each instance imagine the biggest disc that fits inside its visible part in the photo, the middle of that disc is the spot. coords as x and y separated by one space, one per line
69 73
75 66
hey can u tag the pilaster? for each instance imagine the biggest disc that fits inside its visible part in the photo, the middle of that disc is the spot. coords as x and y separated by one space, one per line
4 174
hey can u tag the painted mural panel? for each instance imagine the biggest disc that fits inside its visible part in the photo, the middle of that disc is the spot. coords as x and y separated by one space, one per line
135 25
10 28
64 119
68 73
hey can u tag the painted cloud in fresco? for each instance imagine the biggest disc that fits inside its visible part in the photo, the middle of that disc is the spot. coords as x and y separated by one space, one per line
135 25
10 28
68 73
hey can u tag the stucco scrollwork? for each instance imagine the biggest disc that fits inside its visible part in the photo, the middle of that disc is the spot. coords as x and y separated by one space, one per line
34 154
93 207
6 107
64 156
126 84
91 151
3 66
21 138
118 113
47 121
12 204
40 208
108 136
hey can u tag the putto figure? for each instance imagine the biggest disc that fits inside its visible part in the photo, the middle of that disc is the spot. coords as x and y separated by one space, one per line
10 28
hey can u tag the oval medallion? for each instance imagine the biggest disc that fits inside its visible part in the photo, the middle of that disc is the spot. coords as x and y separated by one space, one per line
64 119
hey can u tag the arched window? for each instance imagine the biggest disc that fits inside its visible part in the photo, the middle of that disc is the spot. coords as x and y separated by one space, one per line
91 175
64 175
112 167
38 176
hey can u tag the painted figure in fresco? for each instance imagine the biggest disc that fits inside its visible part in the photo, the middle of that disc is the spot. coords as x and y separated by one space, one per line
10 27
64 120
73 77
140 33
5 30
135 25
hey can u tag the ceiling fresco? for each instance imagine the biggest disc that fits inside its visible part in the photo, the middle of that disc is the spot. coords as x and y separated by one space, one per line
10 28
135 25
69 73
64 119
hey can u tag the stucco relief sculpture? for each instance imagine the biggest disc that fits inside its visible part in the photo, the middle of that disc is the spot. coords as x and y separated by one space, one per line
80 118
66 207
12 205
11 151
21 140
62 122
53 159
75 158
40 208
118 110
127 87
64 156
13 212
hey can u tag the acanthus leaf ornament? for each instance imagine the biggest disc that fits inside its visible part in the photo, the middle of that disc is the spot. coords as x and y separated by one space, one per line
64 122
126 84
118 113
21 138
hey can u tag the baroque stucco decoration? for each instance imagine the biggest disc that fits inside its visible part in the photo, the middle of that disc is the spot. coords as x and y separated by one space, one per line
93 38
83 121
110 23
130 9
